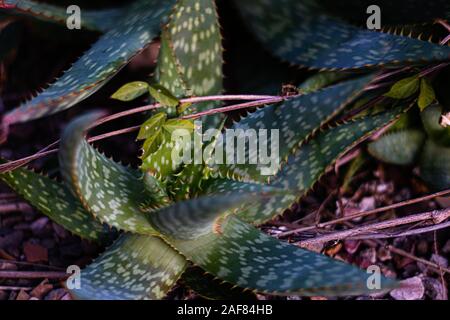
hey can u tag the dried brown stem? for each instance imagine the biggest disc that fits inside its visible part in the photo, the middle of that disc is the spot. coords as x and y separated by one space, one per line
435 217
33 275
365 213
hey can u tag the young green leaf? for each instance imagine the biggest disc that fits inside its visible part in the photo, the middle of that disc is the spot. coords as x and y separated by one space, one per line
152 143
152 125
163 95
427 95
178 124
131 91
404 88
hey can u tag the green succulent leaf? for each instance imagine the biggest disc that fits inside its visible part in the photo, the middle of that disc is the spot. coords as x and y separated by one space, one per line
200 214
404 88
435 165
190 61
167 74
57 202
93 20
427 95
304 168
195 36
131 34
131 91
296 119
110 191
399 147
303 33
163 95
205 232
393 12
133 268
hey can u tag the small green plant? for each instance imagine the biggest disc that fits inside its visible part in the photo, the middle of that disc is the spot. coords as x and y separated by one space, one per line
199 222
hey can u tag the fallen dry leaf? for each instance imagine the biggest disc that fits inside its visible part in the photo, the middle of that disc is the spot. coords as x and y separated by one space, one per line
42 289
410 289
35 252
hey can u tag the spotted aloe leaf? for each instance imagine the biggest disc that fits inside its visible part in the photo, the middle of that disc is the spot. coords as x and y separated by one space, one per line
400 147
110 191
189 63
131 34
93 20
195 36
133 268
302 33
295 120
57 202
194 177
392 12
191 60
166 73
203 214
223 245
304 168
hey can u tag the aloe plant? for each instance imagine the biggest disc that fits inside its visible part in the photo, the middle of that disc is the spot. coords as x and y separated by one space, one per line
198 223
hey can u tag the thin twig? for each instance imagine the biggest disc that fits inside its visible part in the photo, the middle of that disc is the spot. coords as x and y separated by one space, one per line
261 100
403 234
233 108
33 275
435 216
413 257
182 101
24 263
14 207
12 288
366 213
400 252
